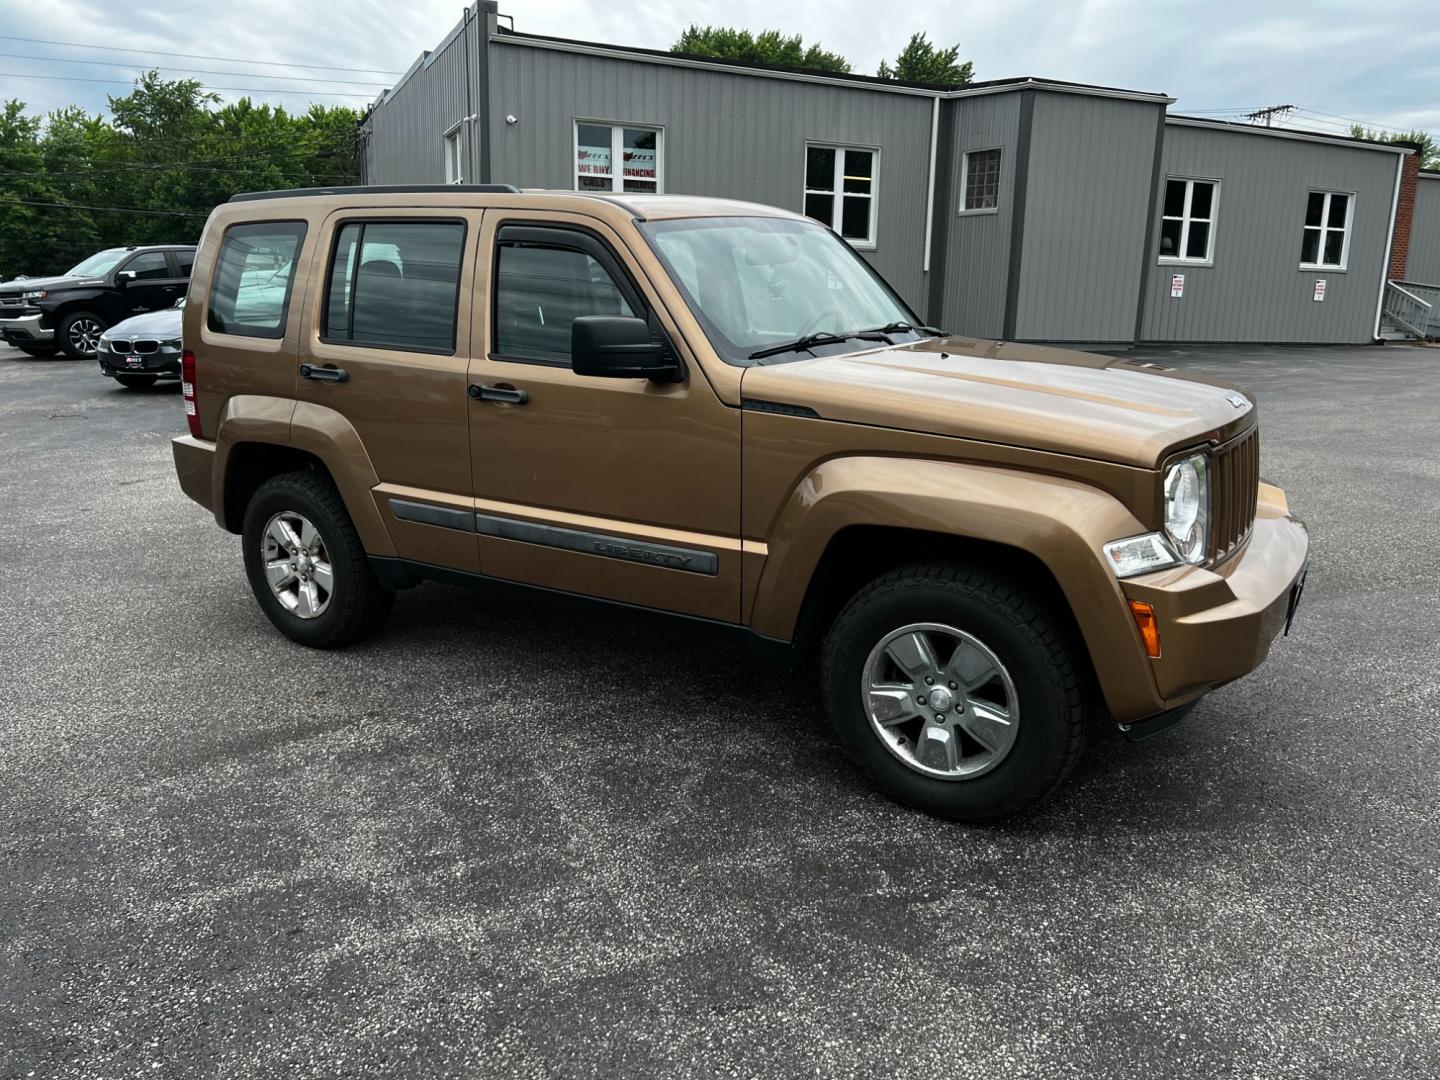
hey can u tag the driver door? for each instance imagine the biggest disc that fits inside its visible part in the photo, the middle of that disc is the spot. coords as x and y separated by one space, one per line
155 283
619 488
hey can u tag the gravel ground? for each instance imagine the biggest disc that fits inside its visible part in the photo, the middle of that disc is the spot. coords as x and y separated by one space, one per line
518 837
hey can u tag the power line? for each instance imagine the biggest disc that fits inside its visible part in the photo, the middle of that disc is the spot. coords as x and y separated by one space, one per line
195 56
192 71
1269 112
105 169
237 89
106 209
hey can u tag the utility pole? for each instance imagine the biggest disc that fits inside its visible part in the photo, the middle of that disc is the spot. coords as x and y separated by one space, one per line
1268 112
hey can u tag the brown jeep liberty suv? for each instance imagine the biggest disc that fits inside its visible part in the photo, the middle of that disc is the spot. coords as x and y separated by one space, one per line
718 410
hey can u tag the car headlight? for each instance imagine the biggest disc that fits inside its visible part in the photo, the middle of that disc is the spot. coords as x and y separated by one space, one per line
1141 555
34 294
173 343
1187 507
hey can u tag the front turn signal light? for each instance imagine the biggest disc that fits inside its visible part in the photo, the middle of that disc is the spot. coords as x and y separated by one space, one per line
1149 628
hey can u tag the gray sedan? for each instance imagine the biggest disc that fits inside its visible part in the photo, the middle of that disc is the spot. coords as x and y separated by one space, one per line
140 350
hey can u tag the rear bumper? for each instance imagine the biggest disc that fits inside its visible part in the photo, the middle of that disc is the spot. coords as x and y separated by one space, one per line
1217 625
195 466
26 330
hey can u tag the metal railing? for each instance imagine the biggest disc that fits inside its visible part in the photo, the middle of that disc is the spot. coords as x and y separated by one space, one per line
1414 307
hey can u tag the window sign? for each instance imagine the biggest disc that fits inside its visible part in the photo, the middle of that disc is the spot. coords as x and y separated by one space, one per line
616 158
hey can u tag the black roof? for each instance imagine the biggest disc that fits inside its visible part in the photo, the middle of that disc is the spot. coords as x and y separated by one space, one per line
1387 143
376 189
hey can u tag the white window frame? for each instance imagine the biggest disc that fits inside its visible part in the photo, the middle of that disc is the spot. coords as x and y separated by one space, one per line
965 179
617 153
873 238
1186 219
454 155
1344 264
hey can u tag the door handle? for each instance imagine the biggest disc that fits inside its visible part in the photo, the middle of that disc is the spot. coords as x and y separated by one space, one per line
324 374
508 394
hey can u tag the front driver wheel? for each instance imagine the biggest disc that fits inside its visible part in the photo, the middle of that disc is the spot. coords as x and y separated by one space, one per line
306 564
955 691
79 334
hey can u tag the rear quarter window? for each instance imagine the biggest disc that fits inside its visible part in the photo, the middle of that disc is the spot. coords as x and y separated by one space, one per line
250 291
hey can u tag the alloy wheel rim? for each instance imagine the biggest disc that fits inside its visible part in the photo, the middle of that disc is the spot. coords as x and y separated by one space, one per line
940 701
85 335
297 564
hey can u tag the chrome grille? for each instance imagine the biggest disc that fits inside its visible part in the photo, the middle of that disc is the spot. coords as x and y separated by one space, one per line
138 347
1234 488
11 302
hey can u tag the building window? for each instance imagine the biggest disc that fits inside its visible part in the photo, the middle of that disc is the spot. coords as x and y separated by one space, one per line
1187 220
394 285
980 181
1327 230
250 289
840 191
637 150
454 172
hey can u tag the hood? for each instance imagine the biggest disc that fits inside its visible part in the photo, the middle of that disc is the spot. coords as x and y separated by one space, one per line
1126 411
161 324
12 287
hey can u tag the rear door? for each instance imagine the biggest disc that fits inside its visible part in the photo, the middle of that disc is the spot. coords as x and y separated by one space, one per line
618 488
385 352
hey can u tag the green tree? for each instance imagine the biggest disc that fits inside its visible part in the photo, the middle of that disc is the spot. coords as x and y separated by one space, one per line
922 62
766 47
1429 152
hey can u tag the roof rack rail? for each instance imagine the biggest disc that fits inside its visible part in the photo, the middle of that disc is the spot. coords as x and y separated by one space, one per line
378 189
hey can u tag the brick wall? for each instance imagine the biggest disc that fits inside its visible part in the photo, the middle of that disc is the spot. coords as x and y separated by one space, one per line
1404 218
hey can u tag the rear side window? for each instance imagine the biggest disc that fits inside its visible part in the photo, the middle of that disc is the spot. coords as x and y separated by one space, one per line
395 284
540 291
250 295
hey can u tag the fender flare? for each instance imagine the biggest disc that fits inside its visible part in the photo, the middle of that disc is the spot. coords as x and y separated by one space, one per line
1061 522
315 429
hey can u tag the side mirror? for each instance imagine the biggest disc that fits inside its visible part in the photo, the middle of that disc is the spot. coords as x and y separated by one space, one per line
124 277
619 347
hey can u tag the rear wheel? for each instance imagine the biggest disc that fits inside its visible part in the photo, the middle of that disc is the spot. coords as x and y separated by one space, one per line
79 334
306 564
136 382
955 691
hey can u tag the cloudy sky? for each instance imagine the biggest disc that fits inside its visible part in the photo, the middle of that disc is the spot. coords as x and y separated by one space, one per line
1373 60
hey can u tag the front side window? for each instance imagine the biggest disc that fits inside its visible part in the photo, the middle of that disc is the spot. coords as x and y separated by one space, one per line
395 284
246 295
540 291
454 174
185 260
1327 230
759 283
981 181
840 190
618 157
1187 220
148 266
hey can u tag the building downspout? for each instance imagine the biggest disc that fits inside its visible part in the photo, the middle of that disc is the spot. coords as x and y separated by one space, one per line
469 121
1389 244
930 183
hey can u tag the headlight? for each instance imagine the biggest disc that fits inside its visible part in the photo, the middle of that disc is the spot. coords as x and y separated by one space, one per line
173 343
1187 507
34 294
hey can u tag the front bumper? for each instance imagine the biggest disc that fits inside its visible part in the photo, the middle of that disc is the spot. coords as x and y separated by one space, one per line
160 362
26 330
1218 624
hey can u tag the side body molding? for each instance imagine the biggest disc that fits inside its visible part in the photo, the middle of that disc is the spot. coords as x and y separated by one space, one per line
1062 522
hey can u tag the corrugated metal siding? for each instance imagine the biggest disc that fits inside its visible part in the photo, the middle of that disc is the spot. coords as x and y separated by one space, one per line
406 132
1255 292
1424 262
1085 208
977 254
725 134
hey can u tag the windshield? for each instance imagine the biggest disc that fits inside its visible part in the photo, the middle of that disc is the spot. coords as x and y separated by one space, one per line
102 262
762 282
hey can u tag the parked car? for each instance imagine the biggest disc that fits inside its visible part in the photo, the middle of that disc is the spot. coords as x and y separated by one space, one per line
142 349
42 316
720 411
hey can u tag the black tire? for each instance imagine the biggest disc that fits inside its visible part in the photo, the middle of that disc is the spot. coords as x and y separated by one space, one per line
42 350
137 382
1030 642
358 602
62 333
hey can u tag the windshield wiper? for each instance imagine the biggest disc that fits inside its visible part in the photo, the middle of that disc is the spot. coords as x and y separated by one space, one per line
902 327
820 337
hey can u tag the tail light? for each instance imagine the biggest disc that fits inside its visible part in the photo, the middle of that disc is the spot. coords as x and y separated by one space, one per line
187 388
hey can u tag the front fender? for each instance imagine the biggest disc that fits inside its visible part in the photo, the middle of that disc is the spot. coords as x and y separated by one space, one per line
1061 522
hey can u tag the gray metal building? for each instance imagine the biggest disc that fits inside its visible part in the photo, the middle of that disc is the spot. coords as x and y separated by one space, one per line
1027 209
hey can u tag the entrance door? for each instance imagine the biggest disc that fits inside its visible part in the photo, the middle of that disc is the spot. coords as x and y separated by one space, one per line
625 489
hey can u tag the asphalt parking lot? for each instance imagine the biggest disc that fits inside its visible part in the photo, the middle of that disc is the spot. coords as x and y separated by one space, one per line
519 837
